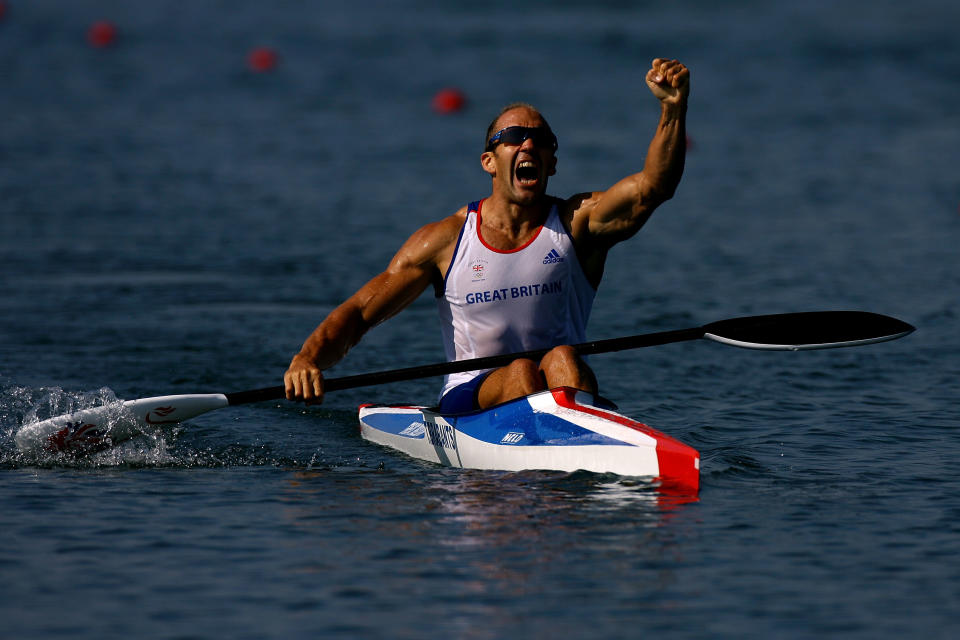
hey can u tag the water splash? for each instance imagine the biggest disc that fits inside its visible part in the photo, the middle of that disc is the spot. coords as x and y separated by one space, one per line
23 406
184 445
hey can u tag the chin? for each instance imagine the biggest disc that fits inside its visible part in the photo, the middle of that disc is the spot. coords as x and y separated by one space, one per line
530 195
528 198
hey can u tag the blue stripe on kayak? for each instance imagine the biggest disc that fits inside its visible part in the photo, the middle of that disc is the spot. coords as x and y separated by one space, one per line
514 423
506 424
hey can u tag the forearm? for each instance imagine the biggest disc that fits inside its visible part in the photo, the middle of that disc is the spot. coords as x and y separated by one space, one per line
623 209
333 337
666 155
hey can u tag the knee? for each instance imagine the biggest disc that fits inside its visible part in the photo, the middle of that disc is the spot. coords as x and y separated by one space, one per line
525 376
563 367
563 357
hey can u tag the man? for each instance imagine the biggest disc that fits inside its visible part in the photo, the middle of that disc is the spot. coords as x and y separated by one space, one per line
516 271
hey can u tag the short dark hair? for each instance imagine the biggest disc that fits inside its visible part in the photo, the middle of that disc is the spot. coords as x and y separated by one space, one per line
492 129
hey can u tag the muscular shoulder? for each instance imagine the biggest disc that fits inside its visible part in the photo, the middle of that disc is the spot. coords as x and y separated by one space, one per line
575 212
432 244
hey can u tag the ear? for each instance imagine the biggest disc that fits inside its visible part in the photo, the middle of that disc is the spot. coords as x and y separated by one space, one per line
489 163
553 166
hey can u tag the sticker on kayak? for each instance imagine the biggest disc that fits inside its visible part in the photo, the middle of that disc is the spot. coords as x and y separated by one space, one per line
441 435
415 430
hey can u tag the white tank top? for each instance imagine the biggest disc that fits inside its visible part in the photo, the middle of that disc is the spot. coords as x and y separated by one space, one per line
494 302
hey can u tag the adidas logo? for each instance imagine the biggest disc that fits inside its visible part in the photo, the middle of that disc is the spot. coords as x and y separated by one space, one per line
552 257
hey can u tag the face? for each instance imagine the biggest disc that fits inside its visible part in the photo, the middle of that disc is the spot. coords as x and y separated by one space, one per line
520 171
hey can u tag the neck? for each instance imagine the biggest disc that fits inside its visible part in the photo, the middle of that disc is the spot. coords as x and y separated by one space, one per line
514 218
509 226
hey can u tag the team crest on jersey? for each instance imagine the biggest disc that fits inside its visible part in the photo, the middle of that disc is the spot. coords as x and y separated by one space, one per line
478 269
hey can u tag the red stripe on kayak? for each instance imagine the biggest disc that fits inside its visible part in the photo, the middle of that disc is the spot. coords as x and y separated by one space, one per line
679 463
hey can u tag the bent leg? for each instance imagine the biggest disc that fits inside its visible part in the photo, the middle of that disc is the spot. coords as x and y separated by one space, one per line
563 367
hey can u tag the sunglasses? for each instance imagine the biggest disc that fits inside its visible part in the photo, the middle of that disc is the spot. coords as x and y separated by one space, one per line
541 136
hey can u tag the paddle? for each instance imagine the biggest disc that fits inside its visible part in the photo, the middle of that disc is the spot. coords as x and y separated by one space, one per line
101 426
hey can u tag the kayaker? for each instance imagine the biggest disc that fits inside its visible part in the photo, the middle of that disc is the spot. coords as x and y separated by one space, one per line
516 271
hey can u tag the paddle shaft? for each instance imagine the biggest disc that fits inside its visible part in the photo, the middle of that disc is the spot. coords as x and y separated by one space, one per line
457 366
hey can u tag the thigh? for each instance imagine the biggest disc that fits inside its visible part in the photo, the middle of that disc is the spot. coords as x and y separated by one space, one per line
519 378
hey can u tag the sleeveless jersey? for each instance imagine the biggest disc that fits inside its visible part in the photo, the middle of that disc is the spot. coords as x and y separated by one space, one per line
494 302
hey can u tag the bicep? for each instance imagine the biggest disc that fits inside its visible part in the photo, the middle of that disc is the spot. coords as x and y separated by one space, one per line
620 211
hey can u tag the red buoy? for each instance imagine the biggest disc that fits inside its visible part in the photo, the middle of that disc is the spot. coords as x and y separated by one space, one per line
262 60
102 34
449 101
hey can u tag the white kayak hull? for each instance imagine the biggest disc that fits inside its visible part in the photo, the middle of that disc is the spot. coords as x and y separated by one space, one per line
561 430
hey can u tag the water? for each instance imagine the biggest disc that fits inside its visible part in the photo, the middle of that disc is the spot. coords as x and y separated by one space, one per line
173 223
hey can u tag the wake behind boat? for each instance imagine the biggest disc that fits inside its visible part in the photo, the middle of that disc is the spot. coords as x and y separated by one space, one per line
562 430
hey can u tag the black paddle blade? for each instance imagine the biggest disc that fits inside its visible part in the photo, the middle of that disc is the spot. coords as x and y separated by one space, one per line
807 330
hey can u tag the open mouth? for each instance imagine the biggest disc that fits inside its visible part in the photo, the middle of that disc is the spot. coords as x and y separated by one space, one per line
527 173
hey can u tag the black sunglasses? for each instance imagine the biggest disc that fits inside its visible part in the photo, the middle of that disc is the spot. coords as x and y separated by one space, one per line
541 136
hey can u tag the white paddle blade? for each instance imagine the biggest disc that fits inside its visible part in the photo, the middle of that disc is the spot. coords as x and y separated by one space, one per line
107 425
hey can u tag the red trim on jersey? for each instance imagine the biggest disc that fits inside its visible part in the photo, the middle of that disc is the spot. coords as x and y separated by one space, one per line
494 249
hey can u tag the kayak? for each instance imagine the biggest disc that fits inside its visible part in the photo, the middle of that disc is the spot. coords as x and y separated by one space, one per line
562 430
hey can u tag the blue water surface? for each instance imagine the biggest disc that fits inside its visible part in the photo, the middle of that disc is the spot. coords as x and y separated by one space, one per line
173 222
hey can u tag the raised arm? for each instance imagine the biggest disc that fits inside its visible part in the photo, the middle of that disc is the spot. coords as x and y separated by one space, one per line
604 218
418 263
